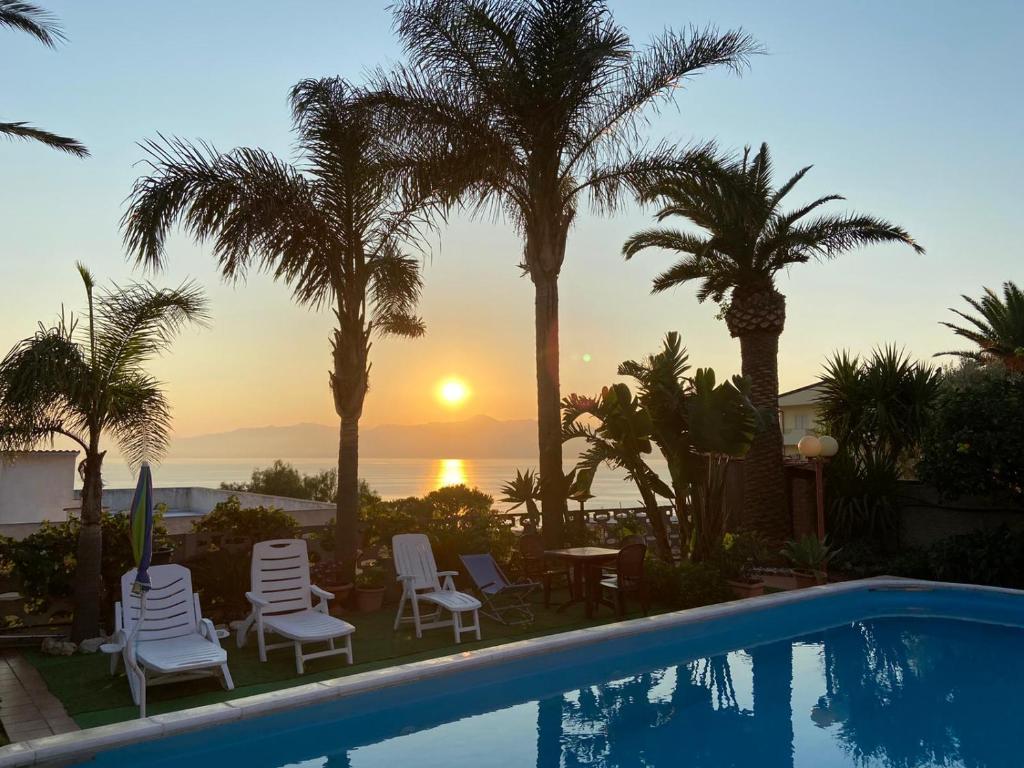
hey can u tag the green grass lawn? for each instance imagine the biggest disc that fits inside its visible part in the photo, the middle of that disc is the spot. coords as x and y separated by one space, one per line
92 697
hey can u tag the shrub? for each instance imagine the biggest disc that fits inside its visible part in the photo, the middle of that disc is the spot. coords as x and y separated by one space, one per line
256 523
44 562
458 520
992 557
976 441
687 585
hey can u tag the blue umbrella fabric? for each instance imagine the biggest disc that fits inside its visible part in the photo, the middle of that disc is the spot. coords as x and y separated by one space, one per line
142 529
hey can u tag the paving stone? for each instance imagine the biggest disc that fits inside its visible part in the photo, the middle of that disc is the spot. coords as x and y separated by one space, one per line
20 714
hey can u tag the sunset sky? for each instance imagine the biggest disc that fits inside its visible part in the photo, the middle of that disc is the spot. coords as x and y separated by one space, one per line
913 110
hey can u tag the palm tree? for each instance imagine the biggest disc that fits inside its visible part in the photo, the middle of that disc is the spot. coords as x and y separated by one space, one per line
618 432
331 227
525 107
747 240
87 384
36 22
998 328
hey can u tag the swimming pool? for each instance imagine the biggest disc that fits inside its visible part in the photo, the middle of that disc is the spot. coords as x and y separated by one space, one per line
874 673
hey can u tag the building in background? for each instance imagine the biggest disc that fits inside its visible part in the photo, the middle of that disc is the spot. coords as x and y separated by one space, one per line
35 486
798 415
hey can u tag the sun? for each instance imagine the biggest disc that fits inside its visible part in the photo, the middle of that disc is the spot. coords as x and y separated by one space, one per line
453 392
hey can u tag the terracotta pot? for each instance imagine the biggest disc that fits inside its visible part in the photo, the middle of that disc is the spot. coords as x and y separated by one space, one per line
369 599
752 588
341 594
805 579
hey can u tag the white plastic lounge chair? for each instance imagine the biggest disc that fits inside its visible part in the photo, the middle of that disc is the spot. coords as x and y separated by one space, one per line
172 642
503 600
282 604
421 583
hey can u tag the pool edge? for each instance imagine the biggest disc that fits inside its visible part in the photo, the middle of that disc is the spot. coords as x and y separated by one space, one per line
82 745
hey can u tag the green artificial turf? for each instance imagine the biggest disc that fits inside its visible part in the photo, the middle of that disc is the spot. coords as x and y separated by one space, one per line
92 697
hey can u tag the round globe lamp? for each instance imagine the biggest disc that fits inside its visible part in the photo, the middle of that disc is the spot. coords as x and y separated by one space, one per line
809 447
829 446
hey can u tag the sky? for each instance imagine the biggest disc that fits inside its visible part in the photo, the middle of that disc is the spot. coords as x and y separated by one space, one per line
913 110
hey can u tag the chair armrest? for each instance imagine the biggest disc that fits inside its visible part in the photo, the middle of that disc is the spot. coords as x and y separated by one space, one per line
257 601
323 594
447 573
404 579
210 632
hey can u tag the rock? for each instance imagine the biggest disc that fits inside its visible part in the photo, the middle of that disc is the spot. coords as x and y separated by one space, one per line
54 646
92 644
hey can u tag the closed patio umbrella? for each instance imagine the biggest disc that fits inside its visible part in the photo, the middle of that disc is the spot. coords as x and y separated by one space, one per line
142 530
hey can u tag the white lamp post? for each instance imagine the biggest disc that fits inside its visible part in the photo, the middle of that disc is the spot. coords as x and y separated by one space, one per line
818 450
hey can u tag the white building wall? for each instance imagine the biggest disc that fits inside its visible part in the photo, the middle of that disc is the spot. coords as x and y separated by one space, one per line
36 486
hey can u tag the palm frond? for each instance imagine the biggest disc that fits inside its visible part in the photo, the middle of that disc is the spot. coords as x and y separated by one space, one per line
25 131
31 19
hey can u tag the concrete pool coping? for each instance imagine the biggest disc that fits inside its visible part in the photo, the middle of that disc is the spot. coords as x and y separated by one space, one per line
82 745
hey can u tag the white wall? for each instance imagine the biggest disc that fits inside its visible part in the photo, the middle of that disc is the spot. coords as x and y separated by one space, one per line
36 486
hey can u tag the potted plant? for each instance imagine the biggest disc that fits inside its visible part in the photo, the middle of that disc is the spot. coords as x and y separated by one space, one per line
810 558
741 553
326 574
370 584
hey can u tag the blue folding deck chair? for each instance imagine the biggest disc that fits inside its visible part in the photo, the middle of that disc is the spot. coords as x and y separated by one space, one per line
503 601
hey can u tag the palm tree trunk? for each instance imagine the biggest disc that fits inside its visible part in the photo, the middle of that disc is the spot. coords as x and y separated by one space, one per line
347 516
86 622
765 507
549 424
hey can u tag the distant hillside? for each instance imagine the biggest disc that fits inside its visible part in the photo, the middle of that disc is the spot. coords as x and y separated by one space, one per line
480 437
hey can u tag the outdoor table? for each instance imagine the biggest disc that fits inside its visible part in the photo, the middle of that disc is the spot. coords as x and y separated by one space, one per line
585 563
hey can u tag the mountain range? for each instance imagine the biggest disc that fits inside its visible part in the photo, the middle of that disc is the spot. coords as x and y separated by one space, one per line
479 437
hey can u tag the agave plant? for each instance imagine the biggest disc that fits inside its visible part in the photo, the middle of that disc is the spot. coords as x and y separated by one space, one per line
524 489
998 328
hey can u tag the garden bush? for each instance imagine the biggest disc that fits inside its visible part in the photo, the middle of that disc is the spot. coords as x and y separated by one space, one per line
993 557
975 443
221 573
457 519
686 585
44 562
256 523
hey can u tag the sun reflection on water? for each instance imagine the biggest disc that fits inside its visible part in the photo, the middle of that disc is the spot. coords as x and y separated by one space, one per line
451 472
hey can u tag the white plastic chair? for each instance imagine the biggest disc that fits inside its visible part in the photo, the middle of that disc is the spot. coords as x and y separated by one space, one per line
281 598
421 582
172 642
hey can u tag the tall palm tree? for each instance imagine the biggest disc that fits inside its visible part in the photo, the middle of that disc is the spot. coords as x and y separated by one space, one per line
526 108
89 383
998 327
331 227
747 239
41 25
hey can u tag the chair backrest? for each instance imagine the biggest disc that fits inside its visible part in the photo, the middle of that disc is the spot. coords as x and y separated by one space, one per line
414 557
171 605
633 538
280 574
485 573
630 564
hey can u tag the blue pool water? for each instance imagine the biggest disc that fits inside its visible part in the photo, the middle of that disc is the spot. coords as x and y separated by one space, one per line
870 678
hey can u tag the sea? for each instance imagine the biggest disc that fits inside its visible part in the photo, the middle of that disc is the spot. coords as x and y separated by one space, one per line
391 478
